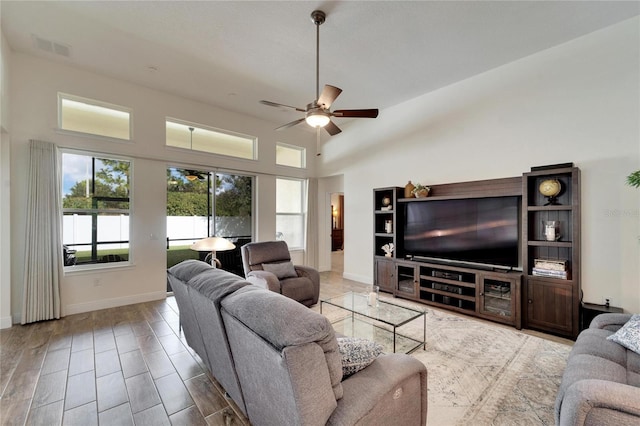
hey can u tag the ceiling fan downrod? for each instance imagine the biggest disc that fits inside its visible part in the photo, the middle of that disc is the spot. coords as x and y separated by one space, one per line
318 17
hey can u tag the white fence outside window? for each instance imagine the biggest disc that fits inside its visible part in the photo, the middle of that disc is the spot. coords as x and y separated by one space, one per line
77 229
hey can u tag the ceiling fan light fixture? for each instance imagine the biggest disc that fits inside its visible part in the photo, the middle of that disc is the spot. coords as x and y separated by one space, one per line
317 119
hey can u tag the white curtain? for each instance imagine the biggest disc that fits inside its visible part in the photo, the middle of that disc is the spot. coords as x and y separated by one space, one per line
311 252
43 239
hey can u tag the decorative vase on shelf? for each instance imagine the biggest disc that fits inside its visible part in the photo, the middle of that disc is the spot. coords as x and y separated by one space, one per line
421 191
408 190
551 230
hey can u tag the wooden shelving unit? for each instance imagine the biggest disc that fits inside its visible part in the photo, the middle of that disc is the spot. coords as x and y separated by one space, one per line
385 210
517 298
552 304
428 283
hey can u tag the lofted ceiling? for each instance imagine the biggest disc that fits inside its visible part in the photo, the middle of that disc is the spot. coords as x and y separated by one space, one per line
234 53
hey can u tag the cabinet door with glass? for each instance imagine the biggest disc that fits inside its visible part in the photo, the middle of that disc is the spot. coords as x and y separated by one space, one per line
407 280
499 298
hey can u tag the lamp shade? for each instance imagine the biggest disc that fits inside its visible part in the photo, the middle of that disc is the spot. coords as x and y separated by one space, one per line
213 244
317 119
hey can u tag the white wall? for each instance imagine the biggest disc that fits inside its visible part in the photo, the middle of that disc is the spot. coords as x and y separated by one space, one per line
34 89
5 187
578 102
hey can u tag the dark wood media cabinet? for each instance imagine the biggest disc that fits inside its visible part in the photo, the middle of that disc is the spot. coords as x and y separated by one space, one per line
520 299
487 294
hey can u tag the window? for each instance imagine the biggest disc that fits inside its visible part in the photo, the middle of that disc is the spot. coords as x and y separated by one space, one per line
95 206
214 141
290 211
289 155
97 118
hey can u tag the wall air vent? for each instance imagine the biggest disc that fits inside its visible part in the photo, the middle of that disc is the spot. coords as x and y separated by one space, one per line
52 47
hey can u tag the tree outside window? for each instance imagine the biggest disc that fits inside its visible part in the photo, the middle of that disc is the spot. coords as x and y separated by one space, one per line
95 209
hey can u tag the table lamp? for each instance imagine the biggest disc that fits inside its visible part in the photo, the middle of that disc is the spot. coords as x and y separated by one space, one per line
213 244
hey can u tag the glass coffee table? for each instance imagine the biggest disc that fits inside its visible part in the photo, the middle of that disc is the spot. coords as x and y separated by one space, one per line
351 315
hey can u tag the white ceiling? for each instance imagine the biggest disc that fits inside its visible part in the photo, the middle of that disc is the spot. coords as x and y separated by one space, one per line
233 53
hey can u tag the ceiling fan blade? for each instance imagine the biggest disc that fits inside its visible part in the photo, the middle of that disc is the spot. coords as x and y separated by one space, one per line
360 113
293 123
328 95
277 105
332 129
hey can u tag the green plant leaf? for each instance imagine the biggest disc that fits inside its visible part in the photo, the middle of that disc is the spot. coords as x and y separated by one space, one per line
634 179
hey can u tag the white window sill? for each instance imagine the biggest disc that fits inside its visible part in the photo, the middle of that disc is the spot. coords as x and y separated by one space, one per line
95 267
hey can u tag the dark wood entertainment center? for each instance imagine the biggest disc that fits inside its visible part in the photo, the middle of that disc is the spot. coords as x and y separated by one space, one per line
521 298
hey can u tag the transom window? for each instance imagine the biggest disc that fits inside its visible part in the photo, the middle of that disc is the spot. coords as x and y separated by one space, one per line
214 141
95 208
290 155
93 117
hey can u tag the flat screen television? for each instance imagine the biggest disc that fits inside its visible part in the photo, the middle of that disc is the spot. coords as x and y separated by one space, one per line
480 231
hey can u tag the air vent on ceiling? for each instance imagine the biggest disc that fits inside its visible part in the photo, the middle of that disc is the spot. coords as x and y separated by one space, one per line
51 46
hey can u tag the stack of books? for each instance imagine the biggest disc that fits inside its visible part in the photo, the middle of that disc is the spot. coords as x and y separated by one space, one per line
550 268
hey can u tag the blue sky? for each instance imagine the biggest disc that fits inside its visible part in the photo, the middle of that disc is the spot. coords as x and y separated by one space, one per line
75 168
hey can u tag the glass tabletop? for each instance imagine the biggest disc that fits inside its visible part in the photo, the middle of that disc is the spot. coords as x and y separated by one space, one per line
386 312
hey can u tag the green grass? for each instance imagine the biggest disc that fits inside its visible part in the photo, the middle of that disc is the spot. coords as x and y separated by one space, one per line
175 254
85 255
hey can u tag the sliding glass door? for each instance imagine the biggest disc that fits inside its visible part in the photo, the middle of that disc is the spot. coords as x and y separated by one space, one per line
203 204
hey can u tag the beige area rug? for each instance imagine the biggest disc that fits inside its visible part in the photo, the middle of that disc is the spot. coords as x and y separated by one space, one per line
481 373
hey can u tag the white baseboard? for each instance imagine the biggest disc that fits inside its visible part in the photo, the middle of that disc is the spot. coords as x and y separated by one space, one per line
96 305
6 322
360 278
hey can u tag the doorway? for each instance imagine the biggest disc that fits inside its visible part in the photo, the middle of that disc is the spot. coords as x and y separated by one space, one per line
337 232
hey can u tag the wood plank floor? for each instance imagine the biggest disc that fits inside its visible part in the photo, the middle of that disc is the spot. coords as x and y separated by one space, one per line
127 365
121 366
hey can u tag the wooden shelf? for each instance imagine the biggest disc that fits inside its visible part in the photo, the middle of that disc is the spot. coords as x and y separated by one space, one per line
448 294
548 208
536 243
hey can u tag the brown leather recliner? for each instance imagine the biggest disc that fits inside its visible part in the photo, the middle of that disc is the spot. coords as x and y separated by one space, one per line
268 265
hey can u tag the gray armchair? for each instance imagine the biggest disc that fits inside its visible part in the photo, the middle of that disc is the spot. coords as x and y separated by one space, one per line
268 265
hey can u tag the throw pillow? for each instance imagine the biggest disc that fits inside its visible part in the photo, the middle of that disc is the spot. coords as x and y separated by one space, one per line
629 335
357 354
281 270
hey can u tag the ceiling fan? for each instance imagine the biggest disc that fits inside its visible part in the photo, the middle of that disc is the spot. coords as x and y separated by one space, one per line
192 175
317 113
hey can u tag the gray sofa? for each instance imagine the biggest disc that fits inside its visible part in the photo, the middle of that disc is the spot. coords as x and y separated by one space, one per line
279 361
601 383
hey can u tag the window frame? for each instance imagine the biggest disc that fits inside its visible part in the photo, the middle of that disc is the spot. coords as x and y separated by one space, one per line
129 212
300 149
202 127
93 102
303 209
